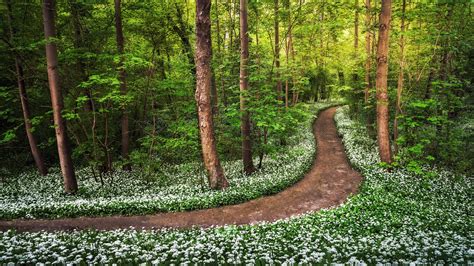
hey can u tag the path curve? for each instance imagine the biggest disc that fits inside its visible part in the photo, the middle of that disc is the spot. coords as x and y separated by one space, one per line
329 182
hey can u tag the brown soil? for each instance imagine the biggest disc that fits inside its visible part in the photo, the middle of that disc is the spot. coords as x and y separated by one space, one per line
329 182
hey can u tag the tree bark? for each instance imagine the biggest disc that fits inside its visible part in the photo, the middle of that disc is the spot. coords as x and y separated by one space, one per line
355 76
245 116
212 164
356 26
35 151
180 28
383 134
398 108
277 50
123 84
64 151
79 44
215 89
368 59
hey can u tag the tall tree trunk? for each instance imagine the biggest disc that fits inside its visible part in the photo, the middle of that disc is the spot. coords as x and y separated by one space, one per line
181 29
368 59
288 50
76 7
123 84
355 76
383 134
277 49
64 150
245 116
398 108
287 85
35 151
215 172
215 89
356 26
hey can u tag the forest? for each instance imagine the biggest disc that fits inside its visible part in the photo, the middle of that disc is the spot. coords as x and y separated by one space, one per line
236 132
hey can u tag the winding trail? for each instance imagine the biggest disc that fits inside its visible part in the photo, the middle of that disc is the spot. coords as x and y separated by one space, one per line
329 182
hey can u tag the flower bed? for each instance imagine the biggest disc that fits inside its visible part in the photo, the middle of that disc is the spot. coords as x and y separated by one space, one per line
30 195
394 218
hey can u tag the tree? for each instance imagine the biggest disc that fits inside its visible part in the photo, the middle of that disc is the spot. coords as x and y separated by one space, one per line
383 133
244 83
123 84
78 10
398 108
25 106
355 76
368 59
64 151
277 48
181 29
212 164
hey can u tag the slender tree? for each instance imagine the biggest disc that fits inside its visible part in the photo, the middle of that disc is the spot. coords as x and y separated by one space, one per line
180 27
64 150
245 116
277 48
398 108
215 172
368 58
35 151
355 76
123 83
383 133
77 9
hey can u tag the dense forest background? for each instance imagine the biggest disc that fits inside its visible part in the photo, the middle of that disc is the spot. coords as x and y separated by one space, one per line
299 51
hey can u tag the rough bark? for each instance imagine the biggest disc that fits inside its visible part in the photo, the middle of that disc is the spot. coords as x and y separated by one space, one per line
368 59
244 83
398 108
383 134
212 164
277 50
125 141
25 106
64 151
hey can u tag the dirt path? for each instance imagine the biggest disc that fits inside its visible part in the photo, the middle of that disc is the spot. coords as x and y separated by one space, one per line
328 183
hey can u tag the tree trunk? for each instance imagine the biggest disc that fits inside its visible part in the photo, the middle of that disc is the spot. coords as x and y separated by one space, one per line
356 26
355 76
64 151
287 85
215 172
368 60
244 83
383 134
123 84
35 151
215 89
181 29
277 51
288 49
398 108
76 7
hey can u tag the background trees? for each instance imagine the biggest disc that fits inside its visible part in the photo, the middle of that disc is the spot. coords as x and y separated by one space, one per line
317 37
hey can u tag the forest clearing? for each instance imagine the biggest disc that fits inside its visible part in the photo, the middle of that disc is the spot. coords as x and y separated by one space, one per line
236 132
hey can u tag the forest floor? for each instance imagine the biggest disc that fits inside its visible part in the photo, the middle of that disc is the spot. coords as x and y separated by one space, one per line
328 183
